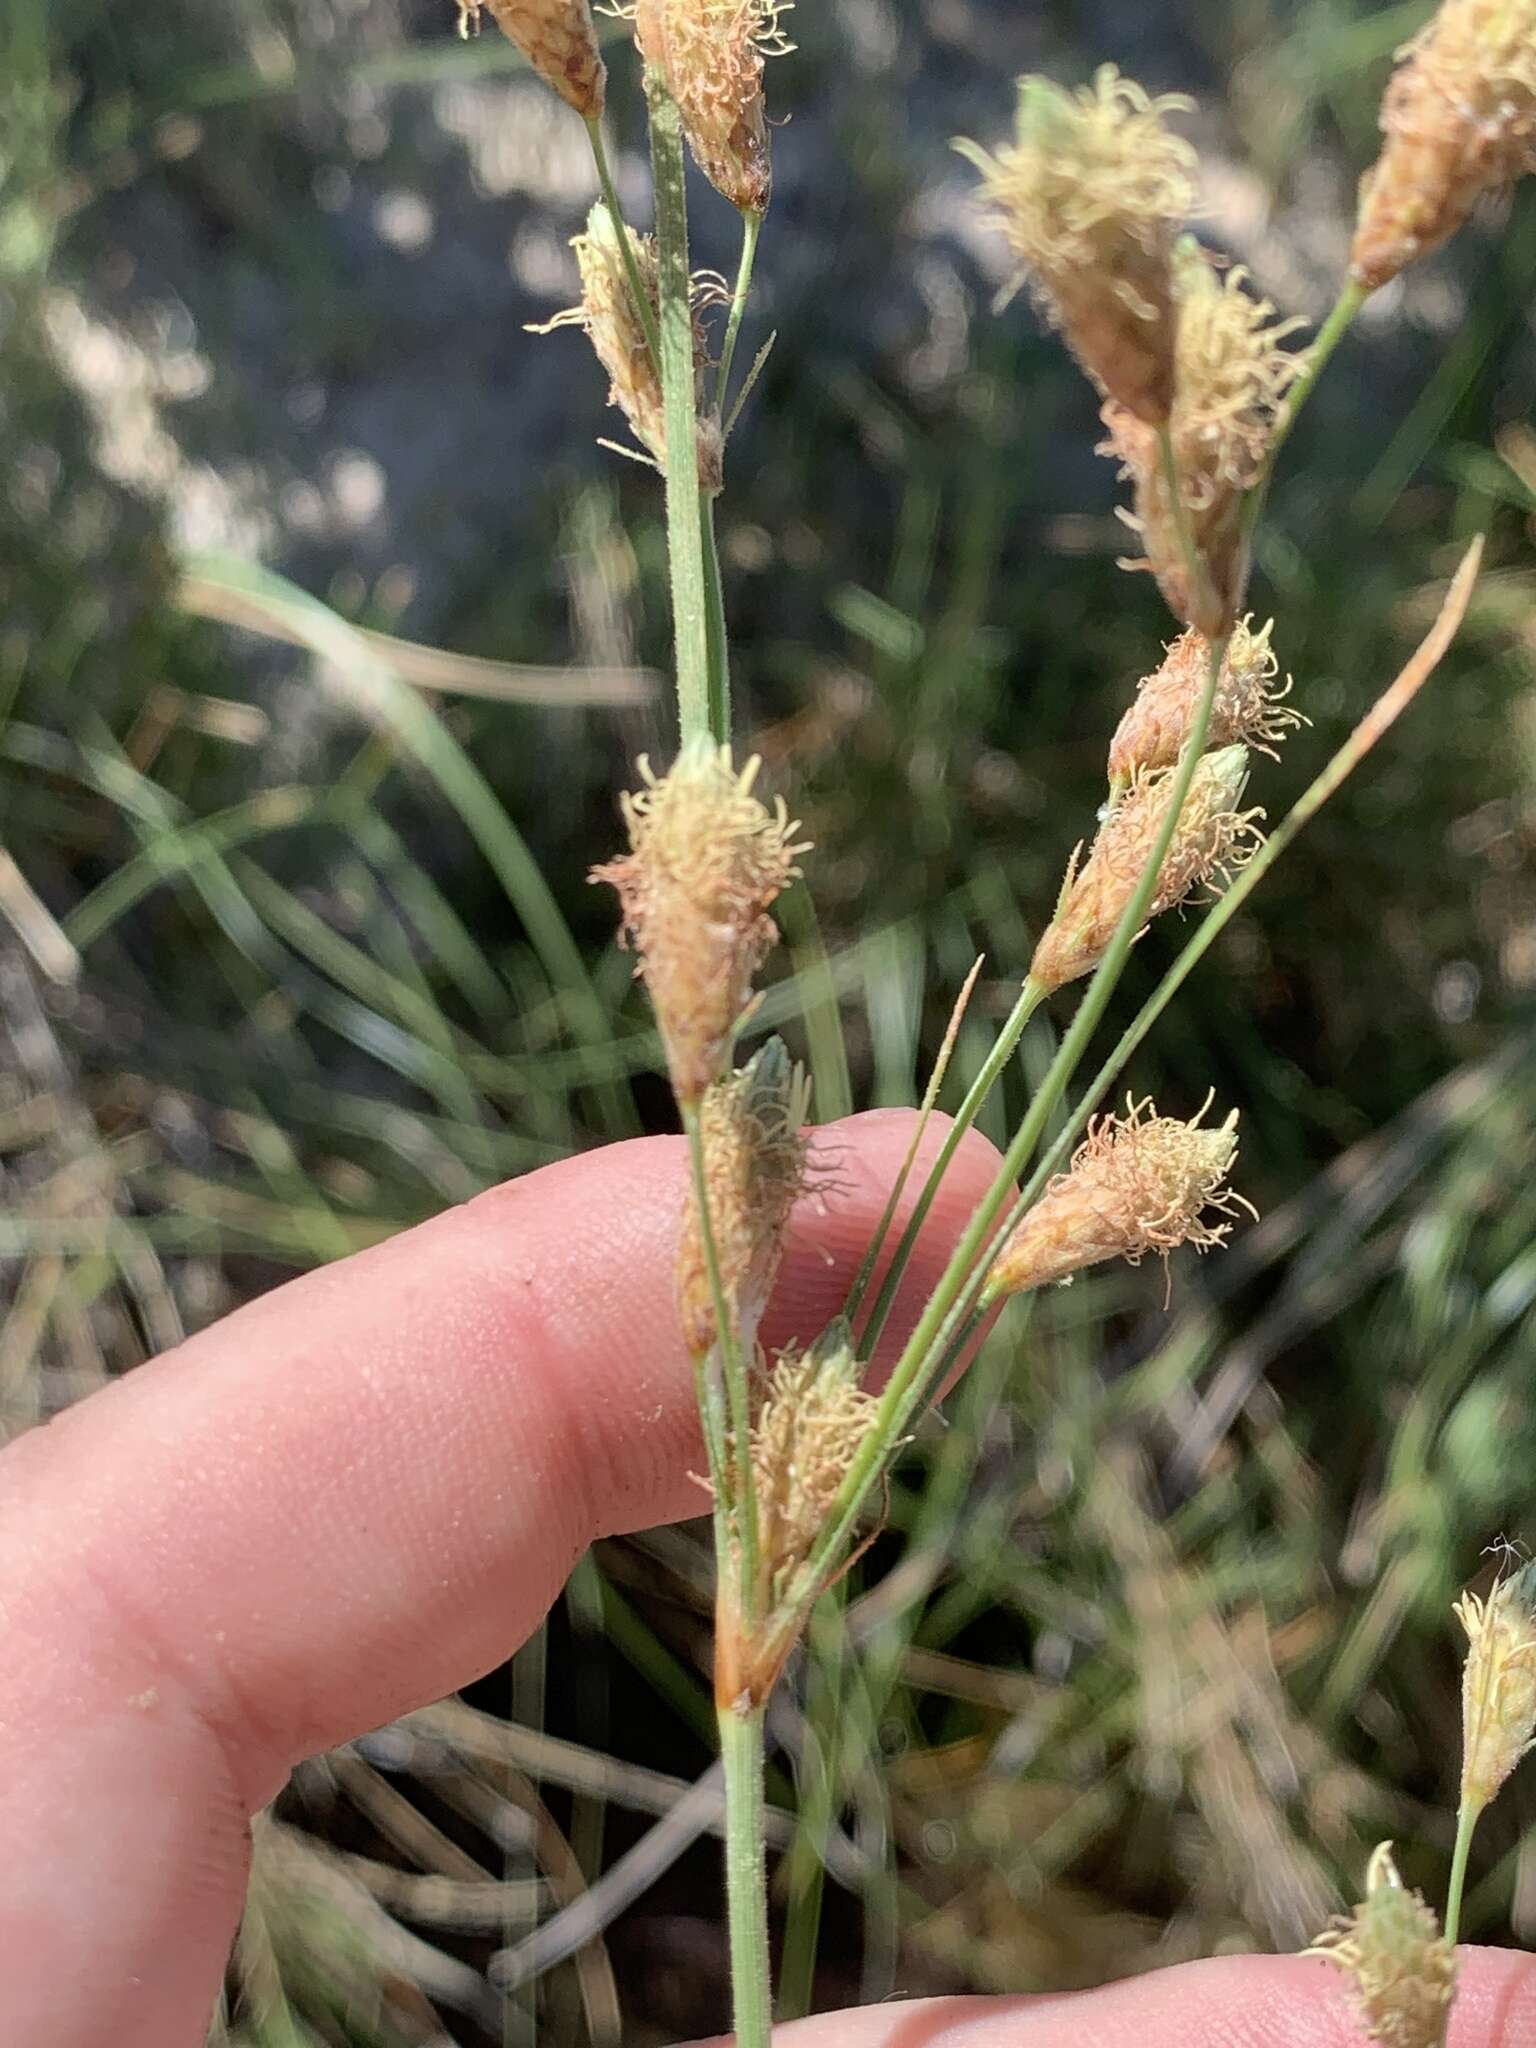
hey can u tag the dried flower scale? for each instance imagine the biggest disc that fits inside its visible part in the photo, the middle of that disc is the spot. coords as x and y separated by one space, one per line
1248 708
711 55
813 1418
1404 1971
558 39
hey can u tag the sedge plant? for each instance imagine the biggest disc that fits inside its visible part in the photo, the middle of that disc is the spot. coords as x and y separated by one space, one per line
1201 380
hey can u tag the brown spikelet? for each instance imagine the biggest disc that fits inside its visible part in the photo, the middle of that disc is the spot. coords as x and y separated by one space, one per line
1231 375
1090 195
1248 710
706 862
1404 1970
1211 840
813 1419
710 53
559 41
754 1147
1459 120
1137 1184
1498 1684
609 316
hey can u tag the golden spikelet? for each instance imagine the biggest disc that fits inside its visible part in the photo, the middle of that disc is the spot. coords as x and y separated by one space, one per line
1403 1968
610 318
1248 709
706 862
1231 375
710 54
1089 196
1138 1184
1498 1684
813 1419
1212 839
1459 120
559 41
754 1143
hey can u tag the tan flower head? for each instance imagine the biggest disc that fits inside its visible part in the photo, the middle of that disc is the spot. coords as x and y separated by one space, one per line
1404 1969
1498 1683
1090 195
1138 1184
559 41
609 316
1211 840
813 1419
755 1144
1459 119
706 862
1231 375
710 54
1249 708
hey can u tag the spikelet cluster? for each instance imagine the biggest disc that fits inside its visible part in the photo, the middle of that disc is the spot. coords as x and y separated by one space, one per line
1090 195
559 41
1137 1184
1231 374
1249 707
710 54
1212 839
610 318
1498 1684
813 1418
1404 1970
754 1145
707 860
1459 120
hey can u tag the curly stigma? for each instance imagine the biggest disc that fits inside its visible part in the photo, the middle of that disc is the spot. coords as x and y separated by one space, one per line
1248 709
1458 120
710 54
1404 1970
559 41
1138 1184
1089 197
1498 1684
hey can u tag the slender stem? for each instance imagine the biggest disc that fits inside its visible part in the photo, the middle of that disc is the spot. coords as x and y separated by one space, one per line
1330 334
685 539
746 1877
719 647
1194 567
642 298
1466 1826
732 1374
751 229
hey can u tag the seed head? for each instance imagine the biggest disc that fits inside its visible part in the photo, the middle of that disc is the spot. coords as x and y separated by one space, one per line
1211 841
1459 120
706 861
710 53
611 319
1404 1969
1138 1184
1248 710
1498 1683
1231 374
559 41
754 1171
1090 195
813 1419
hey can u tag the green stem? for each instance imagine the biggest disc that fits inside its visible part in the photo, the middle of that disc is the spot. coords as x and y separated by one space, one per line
719 647
736 1404
746 1877
1199 590
685 537
644 310
1466 1826
751 229
1331 333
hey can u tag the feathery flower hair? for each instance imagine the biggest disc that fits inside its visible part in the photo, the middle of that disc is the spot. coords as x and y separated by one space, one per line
559 41
1248 710
707 859
711 55
808 1431
1090 195
1498 1683
1212 839
1404 1969
1459 120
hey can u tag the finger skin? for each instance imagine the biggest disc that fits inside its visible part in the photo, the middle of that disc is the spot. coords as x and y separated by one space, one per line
352 1497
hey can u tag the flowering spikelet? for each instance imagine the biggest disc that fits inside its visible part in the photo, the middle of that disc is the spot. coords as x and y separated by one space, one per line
1404 1969
754 1169
1248 708
1459 119
706 861
1136 1184
808 1431
1231 374
1498 1684
1090 196
1211 840
559 41
710 54
610 318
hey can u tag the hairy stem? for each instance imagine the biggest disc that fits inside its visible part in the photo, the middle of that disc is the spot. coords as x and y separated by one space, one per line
718 638
746 1877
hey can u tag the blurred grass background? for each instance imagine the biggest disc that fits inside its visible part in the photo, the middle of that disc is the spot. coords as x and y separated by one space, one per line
326 636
